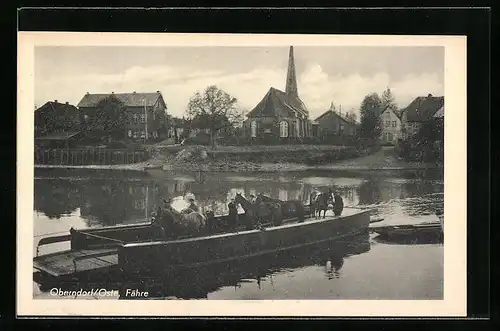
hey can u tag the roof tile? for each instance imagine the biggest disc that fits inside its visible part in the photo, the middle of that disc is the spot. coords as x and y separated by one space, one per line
129 99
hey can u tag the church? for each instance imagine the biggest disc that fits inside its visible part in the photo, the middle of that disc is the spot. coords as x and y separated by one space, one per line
280 116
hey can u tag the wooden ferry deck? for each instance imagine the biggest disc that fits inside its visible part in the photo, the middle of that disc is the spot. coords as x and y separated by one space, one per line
104 259
78 261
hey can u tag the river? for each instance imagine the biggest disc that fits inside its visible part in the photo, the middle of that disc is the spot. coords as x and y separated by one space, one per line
361 267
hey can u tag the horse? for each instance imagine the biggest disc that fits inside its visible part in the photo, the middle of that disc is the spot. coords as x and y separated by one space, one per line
289 209
174 223
321 203
256 213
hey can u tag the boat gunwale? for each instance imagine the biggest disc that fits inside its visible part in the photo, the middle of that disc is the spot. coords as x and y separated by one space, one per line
306 222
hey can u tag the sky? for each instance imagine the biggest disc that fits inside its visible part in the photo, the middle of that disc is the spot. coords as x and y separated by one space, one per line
325 74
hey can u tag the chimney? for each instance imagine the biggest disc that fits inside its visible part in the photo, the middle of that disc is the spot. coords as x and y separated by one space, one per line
429 95
157 91
134 92
112 92
88 93
55 101
67 102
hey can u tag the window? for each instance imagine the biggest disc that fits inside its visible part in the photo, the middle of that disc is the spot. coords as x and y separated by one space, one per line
283 195
135 134
283 129
253 129
139 204
143 135
389 136
86 117
387 123
130 133
143 118
135 118
393 124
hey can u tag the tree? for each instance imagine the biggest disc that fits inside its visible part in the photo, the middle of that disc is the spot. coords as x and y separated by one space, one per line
388 100
351 115
110 118
370 111
214 109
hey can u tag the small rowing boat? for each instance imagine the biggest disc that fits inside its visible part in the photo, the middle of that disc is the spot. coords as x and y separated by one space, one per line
408 230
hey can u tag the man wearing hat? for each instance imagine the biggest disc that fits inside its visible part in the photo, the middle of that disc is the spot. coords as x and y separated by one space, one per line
192 205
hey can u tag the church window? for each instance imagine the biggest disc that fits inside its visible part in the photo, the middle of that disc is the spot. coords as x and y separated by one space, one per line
283 129
253 129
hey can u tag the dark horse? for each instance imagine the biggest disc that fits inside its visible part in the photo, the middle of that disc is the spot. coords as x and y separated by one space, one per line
289 209
320 203
258 212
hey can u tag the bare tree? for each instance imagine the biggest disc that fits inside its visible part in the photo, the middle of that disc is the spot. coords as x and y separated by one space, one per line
214 109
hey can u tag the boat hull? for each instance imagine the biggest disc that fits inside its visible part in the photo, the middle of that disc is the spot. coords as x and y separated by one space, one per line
193 252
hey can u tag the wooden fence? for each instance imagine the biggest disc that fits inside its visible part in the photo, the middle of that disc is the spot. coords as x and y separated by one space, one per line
90 156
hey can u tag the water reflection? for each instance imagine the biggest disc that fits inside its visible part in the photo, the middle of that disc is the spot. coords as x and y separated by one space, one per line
102 202
322 272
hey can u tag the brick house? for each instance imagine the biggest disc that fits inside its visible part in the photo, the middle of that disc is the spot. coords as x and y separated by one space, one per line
54 116
332 122
145 111
419 111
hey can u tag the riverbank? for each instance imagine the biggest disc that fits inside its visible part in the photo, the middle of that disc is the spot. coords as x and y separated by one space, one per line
382 160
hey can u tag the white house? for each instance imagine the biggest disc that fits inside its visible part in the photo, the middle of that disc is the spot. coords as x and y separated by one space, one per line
391 126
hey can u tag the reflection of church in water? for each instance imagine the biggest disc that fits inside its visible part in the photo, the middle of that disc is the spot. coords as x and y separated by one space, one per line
113 201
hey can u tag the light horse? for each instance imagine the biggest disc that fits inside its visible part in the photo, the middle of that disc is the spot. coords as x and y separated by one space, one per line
319 202
289 209
258 212
184 223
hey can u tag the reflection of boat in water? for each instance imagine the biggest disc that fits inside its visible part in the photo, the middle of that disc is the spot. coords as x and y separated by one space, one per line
136 248
198 282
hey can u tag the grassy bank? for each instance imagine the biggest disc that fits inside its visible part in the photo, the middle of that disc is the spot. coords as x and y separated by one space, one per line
327 159
301 154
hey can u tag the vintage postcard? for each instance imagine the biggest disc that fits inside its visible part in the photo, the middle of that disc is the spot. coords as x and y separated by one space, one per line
241 175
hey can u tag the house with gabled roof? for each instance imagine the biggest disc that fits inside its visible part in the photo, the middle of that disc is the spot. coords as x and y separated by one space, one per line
54 117
419 111
280 115
333 122
390 120
145 112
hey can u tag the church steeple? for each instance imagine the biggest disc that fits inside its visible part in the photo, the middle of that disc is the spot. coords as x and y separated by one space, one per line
291 79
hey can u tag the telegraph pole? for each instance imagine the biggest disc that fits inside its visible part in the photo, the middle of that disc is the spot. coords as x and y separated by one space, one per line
146 121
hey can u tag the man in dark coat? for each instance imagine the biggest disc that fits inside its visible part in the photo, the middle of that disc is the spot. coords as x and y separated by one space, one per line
233 214
338 204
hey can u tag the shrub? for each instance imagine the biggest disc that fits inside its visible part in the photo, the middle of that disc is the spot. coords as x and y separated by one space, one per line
316 158
117 145
201 138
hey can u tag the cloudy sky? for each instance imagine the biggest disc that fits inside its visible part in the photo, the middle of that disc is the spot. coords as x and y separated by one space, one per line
343 75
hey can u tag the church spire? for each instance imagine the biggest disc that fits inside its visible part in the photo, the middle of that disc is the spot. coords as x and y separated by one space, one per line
291 79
